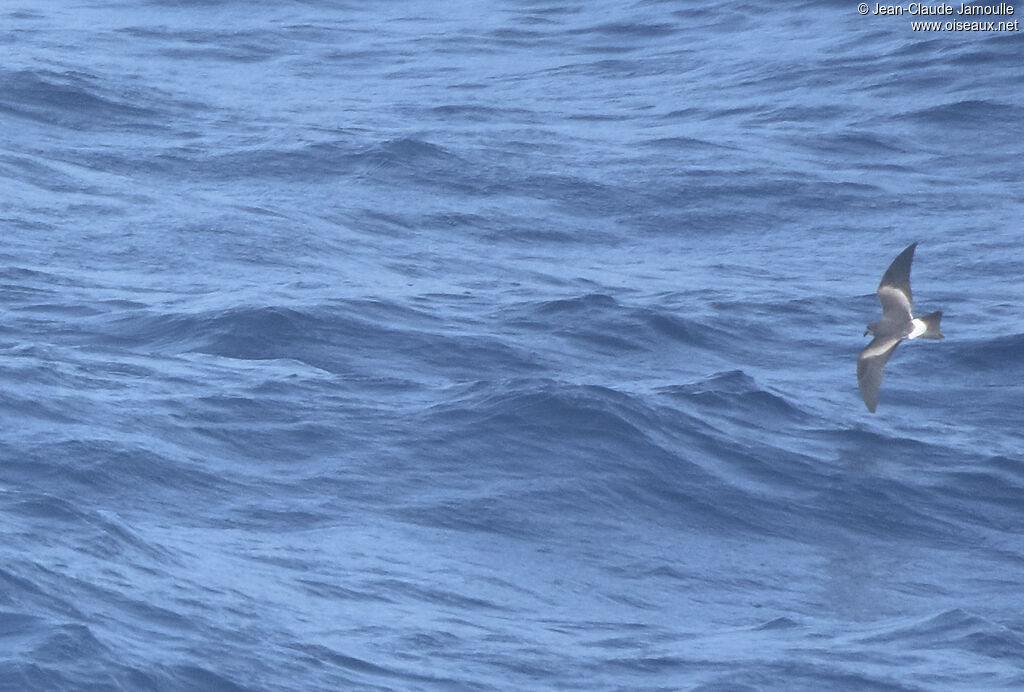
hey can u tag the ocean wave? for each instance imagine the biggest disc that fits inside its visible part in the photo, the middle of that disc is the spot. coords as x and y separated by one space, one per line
379 347
73 100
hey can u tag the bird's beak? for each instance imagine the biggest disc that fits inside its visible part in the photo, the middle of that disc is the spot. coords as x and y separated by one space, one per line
866 332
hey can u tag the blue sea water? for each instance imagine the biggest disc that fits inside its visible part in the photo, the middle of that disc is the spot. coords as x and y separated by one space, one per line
505 345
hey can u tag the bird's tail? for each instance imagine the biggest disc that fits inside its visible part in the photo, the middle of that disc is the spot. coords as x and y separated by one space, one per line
928 326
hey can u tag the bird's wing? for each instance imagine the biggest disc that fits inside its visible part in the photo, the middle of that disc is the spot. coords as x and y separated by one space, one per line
894 290
895 305
870 366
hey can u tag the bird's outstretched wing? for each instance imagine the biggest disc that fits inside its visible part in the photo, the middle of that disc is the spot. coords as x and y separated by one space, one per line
871 365
894 290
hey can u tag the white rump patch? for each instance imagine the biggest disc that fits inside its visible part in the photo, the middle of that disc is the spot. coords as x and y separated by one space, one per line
920 327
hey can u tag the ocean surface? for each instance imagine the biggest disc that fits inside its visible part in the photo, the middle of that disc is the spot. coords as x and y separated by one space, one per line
506 345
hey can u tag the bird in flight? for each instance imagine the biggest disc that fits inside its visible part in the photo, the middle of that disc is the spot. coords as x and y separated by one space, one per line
897 324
